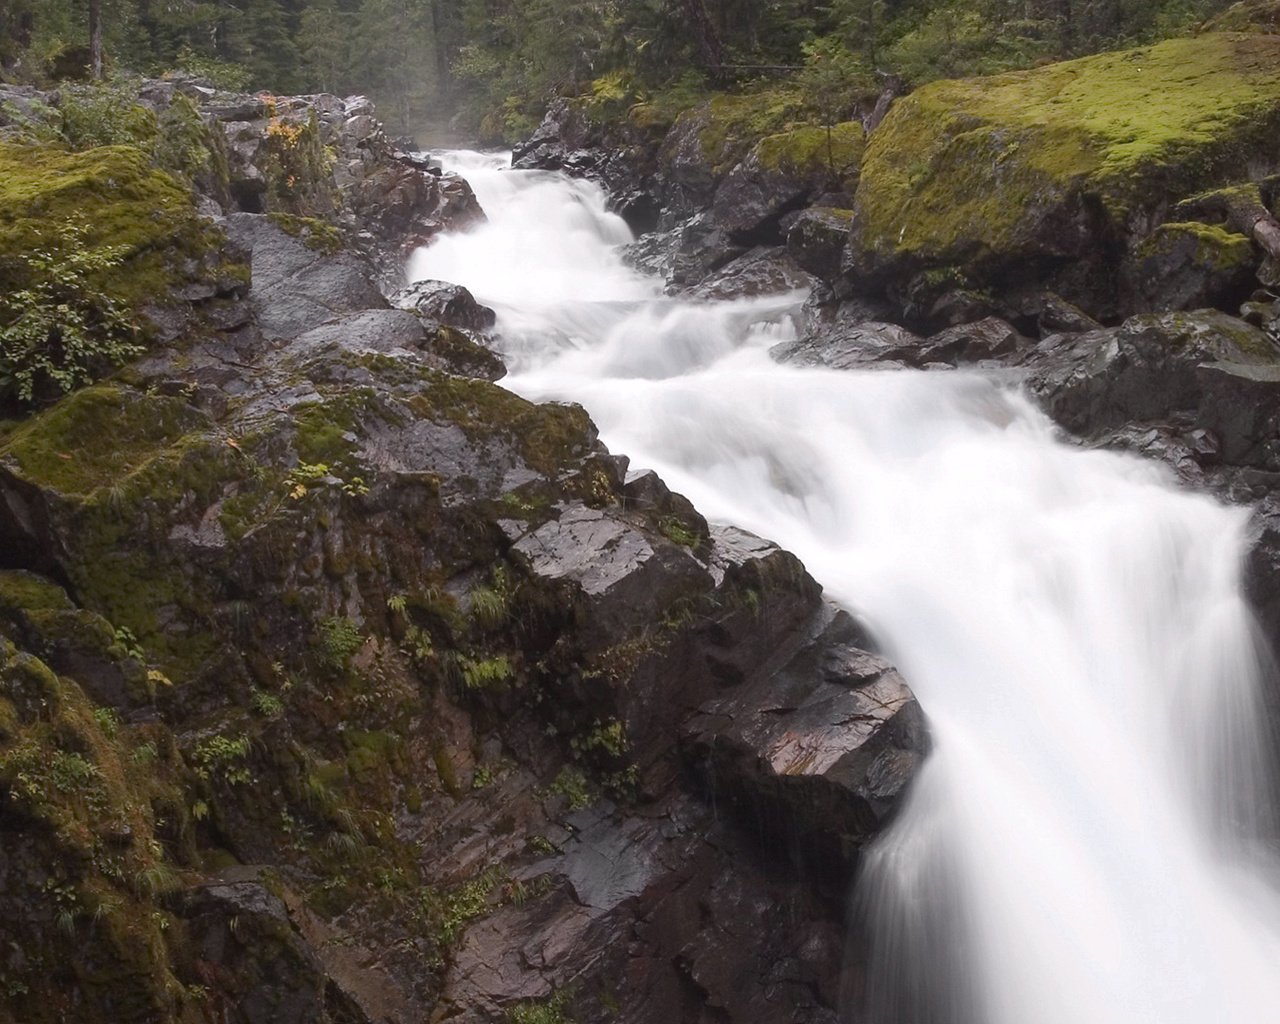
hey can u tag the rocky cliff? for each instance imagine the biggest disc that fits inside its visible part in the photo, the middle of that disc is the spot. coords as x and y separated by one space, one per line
339 684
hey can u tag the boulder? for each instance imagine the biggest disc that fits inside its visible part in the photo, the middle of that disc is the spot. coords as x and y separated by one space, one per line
295 285
820 748
450 304
1189 265
817 239
779 176
1036 174
1146 369
762 271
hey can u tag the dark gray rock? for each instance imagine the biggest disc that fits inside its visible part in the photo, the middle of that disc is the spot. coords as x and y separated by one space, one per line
847 347
294 287
1240 404
766 270
817 238
819 747
1143 370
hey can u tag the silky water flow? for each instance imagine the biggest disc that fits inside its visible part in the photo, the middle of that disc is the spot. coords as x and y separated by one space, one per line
1090 838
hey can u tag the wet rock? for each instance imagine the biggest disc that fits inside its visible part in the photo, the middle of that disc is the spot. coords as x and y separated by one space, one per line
295 287
1190 266
819 748
254 961
817 239
981 341
846 347
619 572
780 174
1240 404
1142 370
448 303
762 271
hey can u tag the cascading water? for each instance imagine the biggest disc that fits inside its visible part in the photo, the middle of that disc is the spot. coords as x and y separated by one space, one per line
1088 841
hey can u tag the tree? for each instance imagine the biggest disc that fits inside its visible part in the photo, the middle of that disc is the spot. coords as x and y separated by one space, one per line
95 39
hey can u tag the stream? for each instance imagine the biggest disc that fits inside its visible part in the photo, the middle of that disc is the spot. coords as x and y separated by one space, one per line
1091 839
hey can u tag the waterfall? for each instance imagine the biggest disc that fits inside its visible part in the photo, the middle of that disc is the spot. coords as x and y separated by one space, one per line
1088 842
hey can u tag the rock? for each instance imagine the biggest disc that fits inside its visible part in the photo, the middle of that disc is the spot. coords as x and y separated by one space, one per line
448 303
780 174
853 346
817 240
1240 404
295 287
1047 313
1031 175
970 343
820 748
762 271
1189 266
1143 370
255 959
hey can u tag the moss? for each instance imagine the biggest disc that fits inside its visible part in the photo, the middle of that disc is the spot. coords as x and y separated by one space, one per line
119 199
315 233
962 170
1215 248
548 436
98 437
805 151
84 849
27 592
120 463
725 126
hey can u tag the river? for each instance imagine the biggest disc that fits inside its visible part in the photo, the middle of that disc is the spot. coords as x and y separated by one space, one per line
1090 840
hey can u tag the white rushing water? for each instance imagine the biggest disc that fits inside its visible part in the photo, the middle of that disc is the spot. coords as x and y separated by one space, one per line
1088 840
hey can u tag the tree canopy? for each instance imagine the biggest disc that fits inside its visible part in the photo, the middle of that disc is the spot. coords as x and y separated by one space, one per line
494 63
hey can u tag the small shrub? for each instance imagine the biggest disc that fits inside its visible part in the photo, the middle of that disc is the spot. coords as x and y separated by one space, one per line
58 330
339 638
476 675
224 757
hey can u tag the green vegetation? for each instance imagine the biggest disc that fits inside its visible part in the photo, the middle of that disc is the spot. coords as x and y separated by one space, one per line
337 639
963 171
86 241
543 1011
498 63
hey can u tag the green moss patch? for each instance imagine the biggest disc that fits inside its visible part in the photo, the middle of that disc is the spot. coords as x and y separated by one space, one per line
119 200
982 170
97 438
811 151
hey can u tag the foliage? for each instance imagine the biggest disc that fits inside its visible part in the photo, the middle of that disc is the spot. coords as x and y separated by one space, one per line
545 1011
58 329
498 61
338 638
224 757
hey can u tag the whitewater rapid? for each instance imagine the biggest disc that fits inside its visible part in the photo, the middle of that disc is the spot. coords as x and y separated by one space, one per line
1090 841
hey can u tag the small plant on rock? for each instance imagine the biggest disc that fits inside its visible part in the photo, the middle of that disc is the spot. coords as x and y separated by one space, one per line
58 330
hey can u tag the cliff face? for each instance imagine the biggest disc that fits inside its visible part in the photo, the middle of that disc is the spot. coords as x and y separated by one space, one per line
338 683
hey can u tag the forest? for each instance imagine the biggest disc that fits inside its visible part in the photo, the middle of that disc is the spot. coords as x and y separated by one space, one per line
489 66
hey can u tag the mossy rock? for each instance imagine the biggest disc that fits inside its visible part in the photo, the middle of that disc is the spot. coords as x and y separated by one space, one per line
85 863
1014 174
708 140
1189 265
813 151
116 198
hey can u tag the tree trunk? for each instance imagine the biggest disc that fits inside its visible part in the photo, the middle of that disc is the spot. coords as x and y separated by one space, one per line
704 34
444 73
1243 210
95 39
